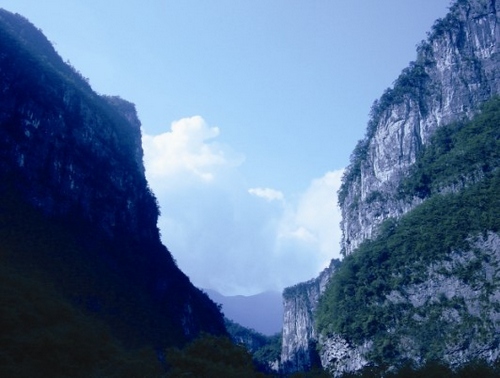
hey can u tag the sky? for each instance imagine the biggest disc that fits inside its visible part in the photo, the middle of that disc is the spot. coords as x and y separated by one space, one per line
249 109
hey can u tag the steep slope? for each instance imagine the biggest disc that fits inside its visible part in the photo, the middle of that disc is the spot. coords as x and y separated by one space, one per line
74 158
392 171
428 287
456 70
299 339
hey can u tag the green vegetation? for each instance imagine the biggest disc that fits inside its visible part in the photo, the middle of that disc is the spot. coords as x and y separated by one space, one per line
46 331
458 154
265 350
354 304
74 201
210 356
432 369
42 331
351 304
269 353
450 23
313 373
41 334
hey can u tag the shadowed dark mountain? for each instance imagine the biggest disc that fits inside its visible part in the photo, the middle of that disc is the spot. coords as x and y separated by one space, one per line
75 206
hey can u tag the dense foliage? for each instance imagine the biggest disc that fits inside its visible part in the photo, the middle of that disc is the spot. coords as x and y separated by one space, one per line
210 356
42 332
432 369
461 156
265 350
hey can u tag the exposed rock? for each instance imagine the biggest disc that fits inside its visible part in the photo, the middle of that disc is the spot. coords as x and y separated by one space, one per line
339 357
299 335
458 297
456 70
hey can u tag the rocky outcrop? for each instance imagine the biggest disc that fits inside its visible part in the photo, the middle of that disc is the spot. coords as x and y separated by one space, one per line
76 157
474 330
456 70
457 299
338 356
299 335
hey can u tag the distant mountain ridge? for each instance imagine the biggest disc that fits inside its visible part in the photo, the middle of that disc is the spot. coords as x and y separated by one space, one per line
261 312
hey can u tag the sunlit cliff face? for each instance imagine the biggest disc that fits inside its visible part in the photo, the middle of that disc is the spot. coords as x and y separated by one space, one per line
455 71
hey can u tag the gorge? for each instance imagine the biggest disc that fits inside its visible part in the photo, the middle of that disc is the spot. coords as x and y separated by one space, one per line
81 256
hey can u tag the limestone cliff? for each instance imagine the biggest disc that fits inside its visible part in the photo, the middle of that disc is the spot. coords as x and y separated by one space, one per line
456 70
75 157
444 307
299 334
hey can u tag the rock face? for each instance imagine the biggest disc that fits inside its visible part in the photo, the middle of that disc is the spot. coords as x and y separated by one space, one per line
481 295
456 70
299 335
76 157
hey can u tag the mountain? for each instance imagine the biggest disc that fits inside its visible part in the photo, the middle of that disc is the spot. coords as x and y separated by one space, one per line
420 212
262 312
76 213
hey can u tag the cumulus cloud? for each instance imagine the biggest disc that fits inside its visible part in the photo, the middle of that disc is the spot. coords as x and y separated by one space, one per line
226 236
188 148
315 218
267 193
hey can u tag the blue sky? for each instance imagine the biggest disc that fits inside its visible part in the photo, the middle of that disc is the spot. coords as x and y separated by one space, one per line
250 110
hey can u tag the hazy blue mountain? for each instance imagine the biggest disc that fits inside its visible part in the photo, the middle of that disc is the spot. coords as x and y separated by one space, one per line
262 312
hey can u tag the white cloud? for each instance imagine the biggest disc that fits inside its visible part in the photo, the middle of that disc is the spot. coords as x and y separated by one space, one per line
222 237
267 193
315 218
186 149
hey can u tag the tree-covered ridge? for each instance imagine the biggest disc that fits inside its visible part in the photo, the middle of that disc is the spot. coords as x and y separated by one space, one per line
432 369
355 304
211 356
25 36
49 327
